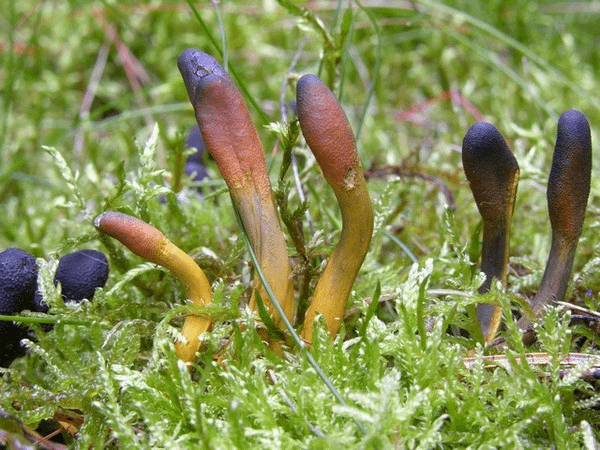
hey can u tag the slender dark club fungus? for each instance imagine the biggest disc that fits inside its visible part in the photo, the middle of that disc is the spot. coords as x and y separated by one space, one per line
493 175
146 241
567 194
329 136
233 142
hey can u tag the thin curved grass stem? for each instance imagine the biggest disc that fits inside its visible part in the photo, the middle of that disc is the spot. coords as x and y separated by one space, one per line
376 68
240 83
224 51
297 340
284 119
402 246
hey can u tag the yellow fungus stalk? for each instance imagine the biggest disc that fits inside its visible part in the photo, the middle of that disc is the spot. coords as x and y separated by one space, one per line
329 136
146 241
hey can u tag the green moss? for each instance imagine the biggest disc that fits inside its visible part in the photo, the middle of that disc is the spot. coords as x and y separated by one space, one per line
398 365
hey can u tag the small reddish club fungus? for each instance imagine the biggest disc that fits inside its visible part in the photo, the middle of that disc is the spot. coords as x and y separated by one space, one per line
329 136
146 241
233 142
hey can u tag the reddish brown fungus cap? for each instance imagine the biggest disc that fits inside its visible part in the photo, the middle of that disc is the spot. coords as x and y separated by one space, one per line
326 130
141 238
224 121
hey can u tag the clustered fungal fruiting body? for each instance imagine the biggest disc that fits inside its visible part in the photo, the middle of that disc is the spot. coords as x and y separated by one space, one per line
18 283
493 174
230 137
79 274
146 241
232 140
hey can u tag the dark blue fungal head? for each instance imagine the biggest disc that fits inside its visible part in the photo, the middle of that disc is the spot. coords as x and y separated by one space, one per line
80 273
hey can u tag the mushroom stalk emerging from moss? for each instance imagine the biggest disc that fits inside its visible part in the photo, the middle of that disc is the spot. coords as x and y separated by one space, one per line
567 194
493 175
146 241
329 136
233 142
